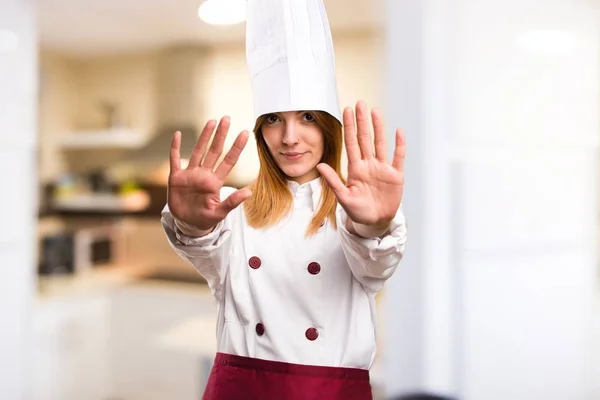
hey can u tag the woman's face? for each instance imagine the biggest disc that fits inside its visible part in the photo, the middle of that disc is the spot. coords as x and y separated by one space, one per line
295 142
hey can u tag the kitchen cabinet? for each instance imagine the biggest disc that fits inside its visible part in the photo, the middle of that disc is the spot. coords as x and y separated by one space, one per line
110 345
142 368
69 343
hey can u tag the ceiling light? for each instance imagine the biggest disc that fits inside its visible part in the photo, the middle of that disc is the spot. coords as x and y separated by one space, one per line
222 12
9 41
548 42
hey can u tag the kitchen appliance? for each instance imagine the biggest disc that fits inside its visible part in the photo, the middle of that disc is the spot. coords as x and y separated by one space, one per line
79 250
179 108
94 246
57 255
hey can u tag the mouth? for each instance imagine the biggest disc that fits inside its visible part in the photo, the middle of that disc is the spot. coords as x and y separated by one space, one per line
292 155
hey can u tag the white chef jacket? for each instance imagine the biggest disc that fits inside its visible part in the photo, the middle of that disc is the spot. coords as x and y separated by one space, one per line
284 297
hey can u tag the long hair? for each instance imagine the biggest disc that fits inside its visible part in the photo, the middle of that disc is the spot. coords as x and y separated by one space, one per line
271 199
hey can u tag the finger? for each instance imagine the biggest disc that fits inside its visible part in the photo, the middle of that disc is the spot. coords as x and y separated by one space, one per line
333 180
200 146
399 151
352 148
174 156
379 129
232 156
234 200
364 137
216 148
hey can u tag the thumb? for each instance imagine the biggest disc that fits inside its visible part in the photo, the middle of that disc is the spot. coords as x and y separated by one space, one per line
333 180
234 200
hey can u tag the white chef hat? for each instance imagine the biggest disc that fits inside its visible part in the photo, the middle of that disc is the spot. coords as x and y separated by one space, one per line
290 58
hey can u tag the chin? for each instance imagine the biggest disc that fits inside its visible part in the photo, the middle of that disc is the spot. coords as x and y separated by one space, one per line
294 173
303 175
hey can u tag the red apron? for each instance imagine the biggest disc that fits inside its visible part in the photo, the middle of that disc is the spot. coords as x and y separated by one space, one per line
242 378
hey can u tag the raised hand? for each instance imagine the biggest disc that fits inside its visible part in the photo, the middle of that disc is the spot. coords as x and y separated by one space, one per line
194 192
373 192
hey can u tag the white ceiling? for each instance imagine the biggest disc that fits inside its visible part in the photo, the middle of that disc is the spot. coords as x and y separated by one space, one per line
92 27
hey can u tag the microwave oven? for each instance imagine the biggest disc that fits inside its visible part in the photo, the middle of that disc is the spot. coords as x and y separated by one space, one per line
78 250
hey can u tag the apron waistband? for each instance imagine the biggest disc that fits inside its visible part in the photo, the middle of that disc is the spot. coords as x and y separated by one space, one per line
291 369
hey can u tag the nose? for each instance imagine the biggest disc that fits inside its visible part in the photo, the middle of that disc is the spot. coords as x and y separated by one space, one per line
290 136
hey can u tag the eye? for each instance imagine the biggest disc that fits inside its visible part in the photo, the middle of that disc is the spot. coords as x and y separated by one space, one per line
308 117
272 119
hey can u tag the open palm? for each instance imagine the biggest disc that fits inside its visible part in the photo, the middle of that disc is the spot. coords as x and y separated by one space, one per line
194 192
374 188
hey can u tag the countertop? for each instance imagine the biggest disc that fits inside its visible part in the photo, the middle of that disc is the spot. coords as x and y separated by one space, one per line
106 278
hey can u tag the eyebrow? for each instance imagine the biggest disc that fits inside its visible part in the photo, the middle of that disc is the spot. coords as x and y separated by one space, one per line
280 113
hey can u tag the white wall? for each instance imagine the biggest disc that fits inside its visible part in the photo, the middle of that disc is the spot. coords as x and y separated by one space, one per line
18 125
495 297
59 94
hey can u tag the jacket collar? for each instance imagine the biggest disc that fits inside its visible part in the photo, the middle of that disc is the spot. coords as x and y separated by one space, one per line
312 188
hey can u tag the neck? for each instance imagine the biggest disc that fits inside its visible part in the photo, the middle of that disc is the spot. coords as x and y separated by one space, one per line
305 178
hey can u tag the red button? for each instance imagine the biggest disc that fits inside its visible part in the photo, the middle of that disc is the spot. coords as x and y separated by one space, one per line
314 268
260 329
254 262
312 334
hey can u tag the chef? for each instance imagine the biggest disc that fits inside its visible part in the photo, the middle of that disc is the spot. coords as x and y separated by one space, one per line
295 259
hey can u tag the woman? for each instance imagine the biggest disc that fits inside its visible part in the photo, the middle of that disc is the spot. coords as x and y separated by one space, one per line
295 259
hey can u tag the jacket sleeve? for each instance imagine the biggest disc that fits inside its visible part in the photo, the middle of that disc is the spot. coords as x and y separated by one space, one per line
208 254
373 261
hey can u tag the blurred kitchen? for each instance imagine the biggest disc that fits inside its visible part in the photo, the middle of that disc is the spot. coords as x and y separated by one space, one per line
118 314
498 297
